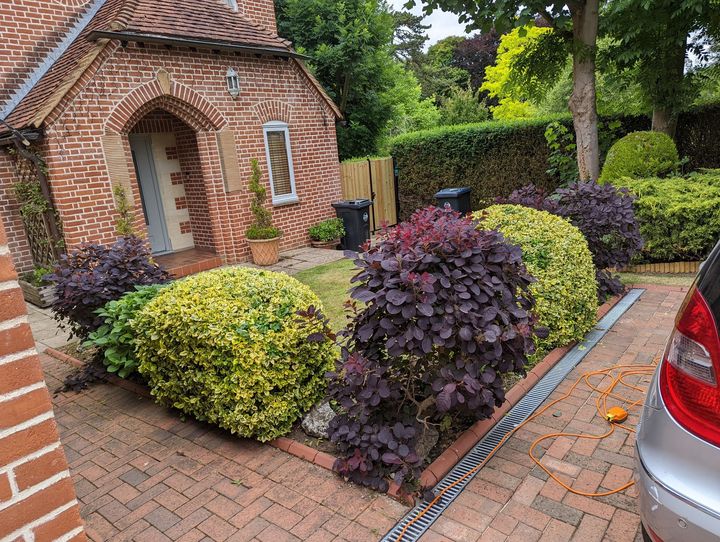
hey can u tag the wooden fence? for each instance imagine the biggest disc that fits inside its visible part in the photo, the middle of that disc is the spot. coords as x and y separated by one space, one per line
372 179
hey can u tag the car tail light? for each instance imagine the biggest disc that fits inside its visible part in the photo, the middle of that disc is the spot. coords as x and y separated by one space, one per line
689 374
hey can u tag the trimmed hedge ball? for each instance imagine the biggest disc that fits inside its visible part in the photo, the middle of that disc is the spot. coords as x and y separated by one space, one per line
557 255
228 347
640 154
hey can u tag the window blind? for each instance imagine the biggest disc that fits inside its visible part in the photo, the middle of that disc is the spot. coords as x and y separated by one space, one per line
277 149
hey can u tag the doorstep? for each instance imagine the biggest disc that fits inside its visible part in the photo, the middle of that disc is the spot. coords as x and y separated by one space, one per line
190 261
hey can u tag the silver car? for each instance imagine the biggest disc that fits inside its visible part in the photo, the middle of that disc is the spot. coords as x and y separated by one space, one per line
678 440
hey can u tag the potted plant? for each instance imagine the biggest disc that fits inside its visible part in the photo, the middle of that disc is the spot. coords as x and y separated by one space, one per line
263 237
327 234
36 289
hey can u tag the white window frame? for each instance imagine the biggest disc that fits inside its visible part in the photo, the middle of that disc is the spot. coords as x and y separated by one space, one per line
279 126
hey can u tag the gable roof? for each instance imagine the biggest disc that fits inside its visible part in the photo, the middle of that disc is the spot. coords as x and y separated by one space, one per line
200 23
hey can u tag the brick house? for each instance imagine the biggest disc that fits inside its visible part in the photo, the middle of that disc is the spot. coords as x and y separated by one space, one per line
170 101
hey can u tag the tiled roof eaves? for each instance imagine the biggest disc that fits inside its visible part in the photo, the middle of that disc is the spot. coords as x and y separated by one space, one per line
280 49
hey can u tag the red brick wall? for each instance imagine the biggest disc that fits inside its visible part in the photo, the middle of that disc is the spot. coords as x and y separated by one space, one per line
261 12
270 88
37 498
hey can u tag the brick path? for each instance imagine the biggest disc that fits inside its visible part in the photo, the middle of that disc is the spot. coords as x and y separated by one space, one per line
142 474
512 499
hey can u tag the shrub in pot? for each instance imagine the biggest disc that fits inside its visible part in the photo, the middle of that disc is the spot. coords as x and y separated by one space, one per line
327 234
447 311
115 337
557 255
87 278
263 237
37 289
242 348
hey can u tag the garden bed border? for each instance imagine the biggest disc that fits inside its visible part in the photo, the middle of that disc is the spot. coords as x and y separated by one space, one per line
663 268
434 472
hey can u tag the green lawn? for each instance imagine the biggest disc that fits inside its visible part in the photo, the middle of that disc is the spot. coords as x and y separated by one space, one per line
669 279
331 283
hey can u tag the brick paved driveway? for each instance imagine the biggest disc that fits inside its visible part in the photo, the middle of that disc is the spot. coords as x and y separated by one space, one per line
141 474
512 499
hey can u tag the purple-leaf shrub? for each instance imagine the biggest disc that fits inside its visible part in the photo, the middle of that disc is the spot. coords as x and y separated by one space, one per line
606 217
87 278
531 196
446 312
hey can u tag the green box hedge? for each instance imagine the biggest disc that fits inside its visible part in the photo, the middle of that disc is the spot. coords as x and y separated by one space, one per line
228 347
494 158
679 217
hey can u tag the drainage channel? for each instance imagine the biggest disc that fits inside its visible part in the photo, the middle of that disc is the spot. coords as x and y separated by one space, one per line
519 413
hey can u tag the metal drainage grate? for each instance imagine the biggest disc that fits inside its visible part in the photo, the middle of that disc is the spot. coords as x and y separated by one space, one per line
519 413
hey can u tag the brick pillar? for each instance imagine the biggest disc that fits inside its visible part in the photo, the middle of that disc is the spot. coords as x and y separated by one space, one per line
37 497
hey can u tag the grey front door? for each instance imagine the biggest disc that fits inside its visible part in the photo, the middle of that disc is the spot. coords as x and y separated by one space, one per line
141 145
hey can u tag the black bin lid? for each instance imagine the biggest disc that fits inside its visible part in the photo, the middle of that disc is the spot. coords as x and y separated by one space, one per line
452 192
352 204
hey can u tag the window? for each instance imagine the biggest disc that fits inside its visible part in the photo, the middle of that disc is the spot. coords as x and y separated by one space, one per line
279 159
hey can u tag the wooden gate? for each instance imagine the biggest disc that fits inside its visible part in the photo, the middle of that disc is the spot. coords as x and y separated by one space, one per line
372 179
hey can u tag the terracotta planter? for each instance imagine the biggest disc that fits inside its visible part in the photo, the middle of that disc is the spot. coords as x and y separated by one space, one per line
40 296
265 251
325 244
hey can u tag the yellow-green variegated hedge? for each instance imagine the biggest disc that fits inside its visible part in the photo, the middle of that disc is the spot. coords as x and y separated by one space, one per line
228 347
556 253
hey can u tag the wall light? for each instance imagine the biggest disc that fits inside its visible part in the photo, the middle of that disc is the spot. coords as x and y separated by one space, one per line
233 82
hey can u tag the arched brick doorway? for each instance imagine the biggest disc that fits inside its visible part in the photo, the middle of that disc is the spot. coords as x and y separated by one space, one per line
168 172
189 162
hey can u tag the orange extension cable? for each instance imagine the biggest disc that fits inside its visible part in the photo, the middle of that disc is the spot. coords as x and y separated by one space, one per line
602 409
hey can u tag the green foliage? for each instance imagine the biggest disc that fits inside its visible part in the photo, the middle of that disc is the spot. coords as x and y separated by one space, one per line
115 337
679 217
410 112
36 277
350 44
563 150
640 154
327 230
463 106
261 227
495 158
562 156
557 255
492 158
228 347
514 98
618 91
654 38
126 218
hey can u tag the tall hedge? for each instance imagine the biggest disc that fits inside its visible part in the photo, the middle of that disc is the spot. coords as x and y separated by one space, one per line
492 158
495 158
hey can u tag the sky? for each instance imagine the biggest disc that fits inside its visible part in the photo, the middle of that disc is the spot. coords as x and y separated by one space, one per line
441 24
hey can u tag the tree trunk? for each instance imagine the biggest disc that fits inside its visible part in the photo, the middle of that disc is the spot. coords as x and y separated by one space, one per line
664 120
582 101
668 94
